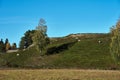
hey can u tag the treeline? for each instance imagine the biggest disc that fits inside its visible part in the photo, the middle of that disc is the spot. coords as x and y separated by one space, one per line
38 38
5 45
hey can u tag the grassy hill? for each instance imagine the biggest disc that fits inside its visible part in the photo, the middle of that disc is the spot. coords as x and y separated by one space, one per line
81 51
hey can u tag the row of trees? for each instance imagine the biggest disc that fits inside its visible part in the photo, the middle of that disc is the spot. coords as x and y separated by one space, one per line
38 38
5 46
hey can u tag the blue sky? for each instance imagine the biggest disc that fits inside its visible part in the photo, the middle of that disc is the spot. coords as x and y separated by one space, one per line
63 17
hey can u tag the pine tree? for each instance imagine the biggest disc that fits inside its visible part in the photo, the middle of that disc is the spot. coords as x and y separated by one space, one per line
2 46
6 41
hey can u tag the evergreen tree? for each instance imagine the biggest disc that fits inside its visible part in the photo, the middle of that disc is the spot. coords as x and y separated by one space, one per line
26 40
2 46
6 41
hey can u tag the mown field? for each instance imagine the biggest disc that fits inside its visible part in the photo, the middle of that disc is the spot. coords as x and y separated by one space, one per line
59 74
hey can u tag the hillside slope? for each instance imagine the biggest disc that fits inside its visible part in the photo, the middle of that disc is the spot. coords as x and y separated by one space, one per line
85 53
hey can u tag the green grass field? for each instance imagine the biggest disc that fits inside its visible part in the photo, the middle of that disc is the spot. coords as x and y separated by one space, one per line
59 74
84 54
84 60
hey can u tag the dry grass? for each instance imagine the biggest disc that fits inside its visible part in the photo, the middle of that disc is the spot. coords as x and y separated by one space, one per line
59 74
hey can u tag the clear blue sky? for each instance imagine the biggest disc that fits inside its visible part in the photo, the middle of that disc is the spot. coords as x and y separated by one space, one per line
62 16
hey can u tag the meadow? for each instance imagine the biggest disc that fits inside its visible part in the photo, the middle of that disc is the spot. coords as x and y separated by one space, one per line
58 74
84 60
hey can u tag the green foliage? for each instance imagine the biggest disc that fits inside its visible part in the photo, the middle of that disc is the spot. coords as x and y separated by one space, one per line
2 46
112 30
39 41
115 43
26 40
5 46
84 54
6 41
40 38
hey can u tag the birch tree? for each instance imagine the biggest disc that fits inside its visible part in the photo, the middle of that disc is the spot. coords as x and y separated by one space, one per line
40 36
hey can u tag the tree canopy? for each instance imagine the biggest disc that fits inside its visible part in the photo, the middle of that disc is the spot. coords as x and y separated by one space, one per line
26 40
40 38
